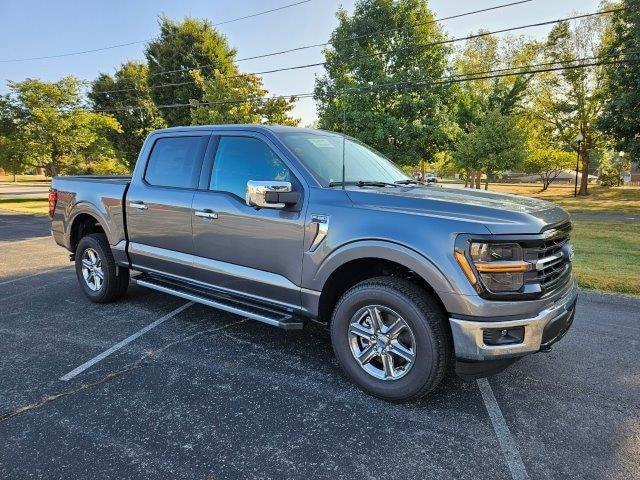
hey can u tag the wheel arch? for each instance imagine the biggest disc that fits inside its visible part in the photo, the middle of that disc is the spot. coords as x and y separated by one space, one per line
84 222
359 261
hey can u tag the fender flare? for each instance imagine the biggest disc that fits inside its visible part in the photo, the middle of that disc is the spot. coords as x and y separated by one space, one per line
87 208
384 250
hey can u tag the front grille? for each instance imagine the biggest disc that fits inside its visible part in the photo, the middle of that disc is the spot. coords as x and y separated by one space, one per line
556 272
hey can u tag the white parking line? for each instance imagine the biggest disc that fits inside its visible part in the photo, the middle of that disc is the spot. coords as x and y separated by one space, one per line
34 274
68 376
507 443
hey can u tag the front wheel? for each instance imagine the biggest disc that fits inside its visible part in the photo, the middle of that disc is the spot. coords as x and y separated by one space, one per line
100 278
391 338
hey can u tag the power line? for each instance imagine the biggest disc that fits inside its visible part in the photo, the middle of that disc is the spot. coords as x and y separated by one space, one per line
119 45
472 76
324 44
419 45
191 82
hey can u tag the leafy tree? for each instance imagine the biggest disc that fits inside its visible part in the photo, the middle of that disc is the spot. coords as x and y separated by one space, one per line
495 145
127 97
621 113
385 89
53 129
11 155
479 95
547 163
570 101
225 101
187 49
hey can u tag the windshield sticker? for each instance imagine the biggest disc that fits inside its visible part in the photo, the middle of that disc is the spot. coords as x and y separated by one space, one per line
320 142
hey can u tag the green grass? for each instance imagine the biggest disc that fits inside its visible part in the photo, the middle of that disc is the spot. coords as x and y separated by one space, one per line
607 255
33 206
622 200
25 179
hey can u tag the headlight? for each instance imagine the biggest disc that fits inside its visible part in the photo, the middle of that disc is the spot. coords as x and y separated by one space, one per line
500 265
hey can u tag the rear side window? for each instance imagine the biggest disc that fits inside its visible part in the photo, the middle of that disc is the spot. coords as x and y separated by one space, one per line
240 159
175 162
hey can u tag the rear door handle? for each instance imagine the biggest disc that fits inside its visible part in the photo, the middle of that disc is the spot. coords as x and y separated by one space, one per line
206 213
138 205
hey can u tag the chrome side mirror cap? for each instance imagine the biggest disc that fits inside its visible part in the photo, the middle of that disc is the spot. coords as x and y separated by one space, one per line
270 194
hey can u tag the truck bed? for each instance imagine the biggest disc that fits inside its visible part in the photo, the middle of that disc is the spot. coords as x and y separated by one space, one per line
120 179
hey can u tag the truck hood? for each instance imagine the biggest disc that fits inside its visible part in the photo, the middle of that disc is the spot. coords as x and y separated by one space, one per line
500 213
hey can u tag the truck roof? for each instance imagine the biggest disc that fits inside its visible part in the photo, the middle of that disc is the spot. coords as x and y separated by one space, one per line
249 127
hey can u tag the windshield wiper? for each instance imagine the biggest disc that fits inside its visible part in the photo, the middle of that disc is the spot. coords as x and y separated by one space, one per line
364 183
408 182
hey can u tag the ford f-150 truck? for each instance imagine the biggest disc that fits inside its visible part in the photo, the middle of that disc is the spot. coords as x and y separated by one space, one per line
285 225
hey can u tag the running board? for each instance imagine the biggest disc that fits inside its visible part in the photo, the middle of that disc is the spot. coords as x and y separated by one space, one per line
280 319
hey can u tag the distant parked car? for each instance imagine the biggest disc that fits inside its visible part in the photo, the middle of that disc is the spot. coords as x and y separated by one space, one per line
430 178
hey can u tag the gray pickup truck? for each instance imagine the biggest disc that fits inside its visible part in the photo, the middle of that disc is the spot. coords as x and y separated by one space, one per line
285 225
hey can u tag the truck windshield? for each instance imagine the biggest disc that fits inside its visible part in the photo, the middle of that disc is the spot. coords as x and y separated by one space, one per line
322 153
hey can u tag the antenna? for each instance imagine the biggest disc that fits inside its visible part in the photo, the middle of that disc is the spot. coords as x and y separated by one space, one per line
344 141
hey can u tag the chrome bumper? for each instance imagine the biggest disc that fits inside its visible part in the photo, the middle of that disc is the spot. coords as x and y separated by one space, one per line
468 335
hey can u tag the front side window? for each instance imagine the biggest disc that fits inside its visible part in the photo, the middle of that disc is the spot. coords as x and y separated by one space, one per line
240 159
174 162
322 153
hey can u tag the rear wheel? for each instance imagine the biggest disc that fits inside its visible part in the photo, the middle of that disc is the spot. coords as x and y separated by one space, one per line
100 278
391 338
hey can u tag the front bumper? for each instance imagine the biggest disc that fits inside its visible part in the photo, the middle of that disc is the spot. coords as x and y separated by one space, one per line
540 331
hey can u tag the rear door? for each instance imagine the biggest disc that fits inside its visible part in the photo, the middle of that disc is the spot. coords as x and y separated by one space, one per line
158 203
255 252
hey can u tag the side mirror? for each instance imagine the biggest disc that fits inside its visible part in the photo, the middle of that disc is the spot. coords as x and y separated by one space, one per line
270 194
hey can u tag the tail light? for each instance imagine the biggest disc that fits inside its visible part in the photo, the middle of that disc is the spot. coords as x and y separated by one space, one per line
53 200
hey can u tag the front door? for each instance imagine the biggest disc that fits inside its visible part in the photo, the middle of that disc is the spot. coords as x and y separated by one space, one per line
255 252
158 204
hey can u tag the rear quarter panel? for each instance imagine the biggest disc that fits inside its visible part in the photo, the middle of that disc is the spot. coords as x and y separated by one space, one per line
100 197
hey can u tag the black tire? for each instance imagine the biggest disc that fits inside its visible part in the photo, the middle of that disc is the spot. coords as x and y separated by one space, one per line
425 318
116 279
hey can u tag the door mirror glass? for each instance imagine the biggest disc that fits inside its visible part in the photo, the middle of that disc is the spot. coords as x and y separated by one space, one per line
270 194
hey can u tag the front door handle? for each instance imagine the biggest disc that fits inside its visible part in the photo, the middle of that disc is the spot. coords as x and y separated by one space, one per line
139 205
206 213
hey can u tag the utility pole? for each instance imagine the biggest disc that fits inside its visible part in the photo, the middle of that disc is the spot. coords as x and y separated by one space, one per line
579 138
620 167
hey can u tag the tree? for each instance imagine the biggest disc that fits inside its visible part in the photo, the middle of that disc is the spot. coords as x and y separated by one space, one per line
621 112
383 80
127 97
240 99
495 145
53 129
547 163
184 51
570 101
480 95
11 155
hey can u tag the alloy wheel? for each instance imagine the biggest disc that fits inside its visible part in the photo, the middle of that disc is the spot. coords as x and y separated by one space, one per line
92 269
382 342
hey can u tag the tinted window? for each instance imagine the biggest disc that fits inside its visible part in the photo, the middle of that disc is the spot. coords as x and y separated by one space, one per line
240 159
174 162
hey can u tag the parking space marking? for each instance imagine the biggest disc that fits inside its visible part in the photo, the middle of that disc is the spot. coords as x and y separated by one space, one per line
76 371
34 275
507 443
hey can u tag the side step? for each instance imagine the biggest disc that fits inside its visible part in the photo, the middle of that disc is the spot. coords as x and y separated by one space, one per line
221 301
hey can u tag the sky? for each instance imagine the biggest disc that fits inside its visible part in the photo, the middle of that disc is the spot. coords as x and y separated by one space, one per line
31 28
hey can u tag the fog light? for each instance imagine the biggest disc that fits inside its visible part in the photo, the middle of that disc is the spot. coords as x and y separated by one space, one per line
503 336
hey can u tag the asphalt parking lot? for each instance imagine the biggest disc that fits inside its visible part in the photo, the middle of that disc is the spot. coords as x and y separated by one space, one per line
209 395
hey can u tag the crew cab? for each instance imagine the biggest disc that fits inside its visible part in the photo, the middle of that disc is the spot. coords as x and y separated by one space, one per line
285 225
